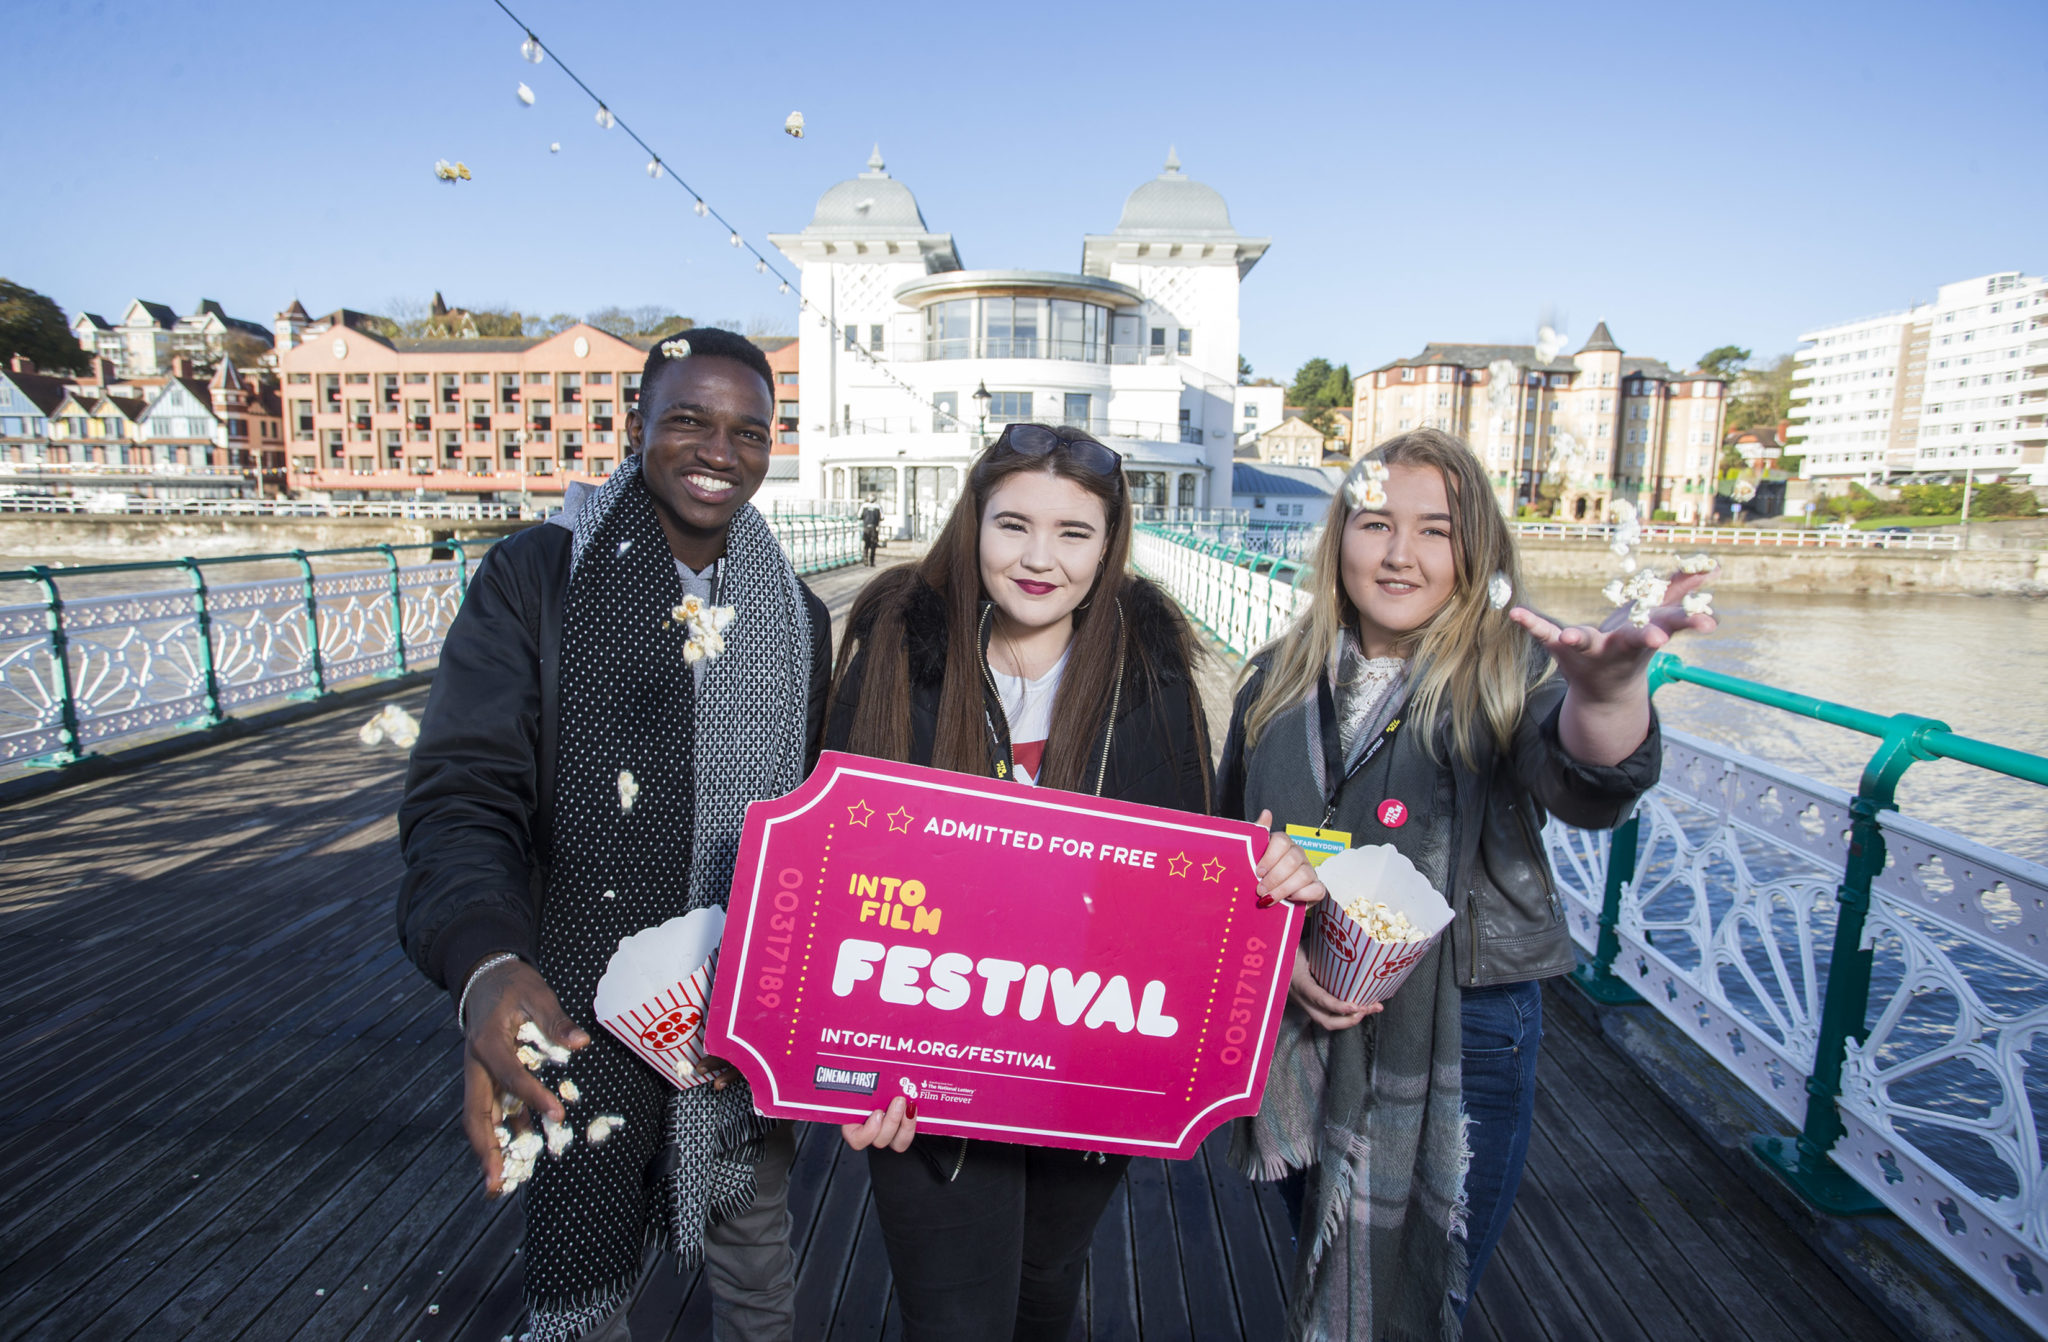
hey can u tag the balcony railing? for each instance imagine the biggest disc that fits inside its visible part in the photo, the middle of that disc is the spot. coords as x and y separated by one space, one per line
1024 347
1144 430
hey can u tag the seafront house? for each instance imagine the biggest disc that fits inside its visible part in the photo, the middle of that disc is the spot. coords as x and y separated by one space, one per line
150 335
1597 423
92 428
1929 392
27 400
910 361
1291 442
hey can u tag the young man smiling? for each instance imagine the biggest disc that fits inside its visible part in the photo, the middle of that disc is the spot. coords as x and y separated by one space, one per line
582 774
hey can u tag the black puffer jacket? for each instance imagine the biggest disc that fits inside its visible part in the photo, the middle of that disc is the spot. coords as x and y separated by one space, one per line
1158 744
476 825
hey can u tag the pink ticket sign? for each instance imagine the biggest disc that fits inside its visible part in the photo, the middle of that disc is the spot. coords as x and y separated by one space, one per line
1029 965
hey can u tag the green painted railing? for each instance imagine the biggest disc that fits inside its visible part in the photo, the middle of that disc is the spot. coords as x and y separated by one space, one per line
1986 907
78 671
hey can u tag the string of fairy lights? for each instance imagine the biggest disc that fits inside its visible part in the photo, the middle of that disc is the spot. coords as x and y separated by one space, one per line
659 168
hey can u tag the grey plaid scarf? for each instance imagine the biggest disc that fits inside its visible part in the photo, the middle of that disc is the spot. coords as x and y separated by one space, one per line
699 748
1373 1114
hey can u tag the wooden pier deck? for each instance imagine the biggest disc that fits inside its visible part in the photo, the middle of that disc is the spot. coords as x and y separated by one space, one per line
232 1115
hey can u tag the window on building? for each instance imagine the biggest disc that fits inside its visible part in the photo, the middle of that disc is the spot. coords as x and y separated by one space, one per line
852 336
1184 341
358 379
875 337
415 379
299 379
785 379
1009 407
879 481
1075 408
1159 340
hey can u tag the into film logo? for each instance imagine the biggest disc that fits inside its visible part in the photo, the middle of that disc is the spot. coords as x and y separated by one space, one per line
842 1078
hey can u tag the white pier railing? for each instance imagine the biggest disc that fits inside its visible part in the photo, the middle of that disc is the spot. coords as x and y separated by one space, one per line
1881 983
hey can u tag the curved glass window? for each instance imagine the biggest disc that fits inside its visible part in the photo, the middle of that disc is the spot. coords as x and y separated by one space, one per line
1008 327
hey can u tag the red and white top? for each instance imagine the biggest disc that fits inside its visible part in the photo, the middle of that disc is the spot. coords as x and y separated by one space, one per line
1027 705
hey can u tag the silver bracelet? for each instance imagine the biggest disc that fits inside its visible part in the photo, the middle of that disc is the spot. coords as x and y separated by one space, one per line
462 1003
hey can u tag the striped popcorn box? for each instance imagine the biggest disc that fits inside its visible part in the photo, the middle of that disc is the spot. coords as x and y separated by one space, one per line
1344 957
656 990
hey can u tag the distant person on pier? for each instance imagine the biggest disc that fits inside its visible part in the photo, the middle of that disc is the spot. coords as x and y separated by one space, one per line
584 766
870 531
1414 704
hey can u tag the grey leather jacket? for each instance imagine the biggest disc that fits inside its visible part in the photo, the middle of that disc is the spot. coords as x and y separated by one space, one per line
1509 924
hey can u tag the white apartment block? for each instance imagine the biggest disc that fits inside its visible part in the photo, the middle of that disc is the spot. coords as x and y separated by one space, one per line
1959 384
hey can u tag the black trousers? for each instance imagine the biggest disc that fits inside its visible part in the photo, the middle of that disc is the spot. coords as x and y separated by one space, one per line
997 1251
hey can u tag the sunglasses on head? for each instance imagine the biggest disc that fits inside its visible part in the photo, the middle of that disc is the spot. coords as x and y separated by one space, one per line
1036 440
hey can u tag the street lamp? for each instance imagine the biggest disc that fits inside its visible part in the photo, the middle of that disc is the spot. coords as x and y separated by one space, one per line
981 400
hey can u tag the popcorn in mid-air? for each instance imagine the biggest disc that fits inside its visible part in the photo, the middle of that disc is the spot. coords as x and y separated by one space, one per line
629 789
567 1090
1698 563
1698 603
560 1136
1499 591
601 1127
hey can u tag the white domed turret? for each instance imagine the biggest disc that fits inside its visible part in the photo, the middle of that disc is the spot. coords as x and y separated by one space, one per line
872 205
1172 218
1174 204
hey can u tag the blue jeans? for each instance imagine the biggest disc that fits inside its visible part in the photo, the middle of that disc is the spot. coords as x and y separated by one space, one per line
1502 1028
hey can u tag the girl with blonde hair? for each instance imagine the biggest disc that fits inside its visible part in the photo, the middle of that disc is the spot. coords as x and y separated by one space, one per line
1414 704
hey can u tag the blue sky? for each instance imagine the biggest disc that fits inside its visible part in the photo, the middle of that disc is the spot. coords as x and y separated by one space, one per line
1693 175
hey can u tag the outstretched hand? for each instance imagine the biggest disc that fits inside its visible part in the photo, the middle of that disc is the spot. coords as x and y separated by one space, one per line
1606 711
1605 662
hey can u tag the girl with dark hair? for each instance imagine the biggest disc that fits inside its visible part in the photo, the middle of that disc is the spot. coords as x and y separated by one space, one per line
1020 648
1413 704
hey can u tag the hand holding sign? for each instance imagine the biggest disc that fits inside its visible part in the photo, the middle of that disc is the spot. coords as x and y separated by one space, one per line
1008 962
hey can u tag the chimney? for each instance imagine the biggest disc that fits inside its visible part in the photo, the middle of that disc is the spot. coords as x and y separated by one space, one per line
181 366
21 363
102 372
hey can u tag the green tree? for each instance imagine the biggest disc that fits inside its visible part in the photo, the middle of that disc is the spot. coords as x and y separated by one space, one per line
1726 361
1320 383
33 325
1244 371
1767 399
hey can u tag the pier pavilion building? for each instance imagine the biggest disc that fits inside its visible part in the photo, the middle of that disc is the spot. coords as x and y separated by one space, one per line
910 360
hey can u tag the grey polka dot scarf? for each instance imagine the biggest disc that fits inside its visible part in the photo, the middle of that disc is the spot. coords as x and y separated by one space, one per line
698 753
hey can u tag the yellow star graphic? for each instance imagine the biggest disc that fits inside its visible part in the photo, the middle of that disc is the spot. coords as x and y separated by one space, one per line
1212 870
859 814
1178 864
902 814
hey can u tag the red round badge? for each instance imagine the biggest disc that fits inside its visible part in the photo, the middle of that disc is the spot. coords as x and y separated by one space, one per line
1393 813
